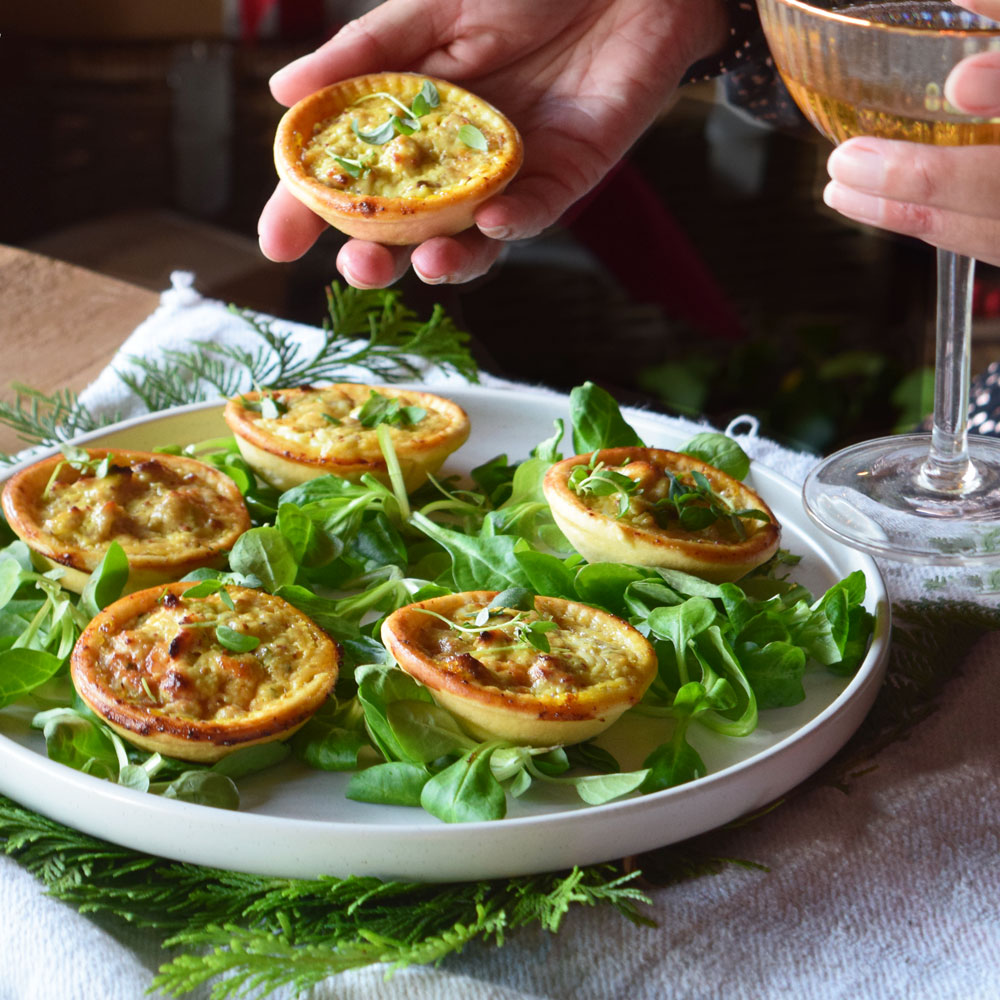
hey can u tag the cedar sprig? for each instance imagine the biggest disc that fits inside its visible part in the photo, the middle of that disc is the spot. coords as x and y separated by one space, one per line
39 418
367 329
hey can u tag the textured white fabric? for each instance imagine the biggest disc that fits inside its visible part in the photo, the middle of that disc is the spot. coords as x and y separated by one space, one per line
889 891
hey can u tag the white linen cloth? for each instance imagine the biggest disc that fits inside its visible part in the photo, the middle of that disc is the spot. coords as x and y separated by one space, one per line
889 891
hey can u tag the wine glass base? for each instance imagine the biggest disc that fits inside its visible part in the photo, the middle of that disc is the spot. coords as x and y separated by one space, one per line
872 496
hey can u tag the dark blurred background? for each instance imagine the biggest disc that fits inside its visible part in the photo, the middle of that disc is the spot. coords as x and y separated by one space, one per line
704 277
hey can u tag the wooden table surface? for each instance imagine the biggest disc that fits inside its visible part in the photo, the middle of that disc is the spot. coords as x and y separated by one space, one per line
60 325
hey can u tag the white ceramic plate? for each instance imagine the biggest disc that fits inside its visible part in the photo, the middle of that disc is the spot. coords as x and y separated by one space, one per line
296 822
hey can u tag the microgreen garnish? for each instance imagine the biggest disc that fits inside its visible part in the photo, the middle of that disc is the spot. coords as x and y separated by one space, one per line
426 99
80 460
149 691
235 641
409 123
267 405
597 480
379 409
203 588
690 501
331 419
533 633
356 168
473 138
511 599
389 97
406 124
387 130
696 505
518 600
476 627
271 408
227 637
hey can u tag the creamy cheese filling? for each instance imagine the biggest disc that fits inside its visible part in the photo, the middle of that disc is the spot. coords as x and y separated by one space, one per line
148 503
425 164
585 651
325 425
169 658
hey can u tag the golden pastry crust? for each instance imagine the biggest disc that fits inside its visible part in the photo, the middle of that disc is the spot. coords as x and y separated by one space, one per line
171 514
316 431
597 667
152 667
410 188
640 537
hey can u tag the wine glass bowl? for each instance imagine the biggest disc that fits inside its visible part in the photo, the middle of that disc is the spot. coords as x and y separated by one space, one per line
879 69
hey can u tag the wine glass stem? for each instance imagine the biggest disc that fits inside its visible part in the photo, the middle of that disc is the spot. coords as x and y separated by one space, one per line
948 468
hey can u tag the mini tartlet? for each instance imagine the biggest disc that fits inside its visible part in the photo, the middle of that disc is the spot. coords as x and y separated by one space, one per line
405 188
289 436
597 666
152 666
171 514
647 532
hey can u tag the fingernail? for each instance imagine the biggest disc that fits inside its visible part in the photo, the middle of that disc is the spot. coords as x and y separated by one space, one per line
858 166
352 281
854 204
496 232
263 249
975 88
439 279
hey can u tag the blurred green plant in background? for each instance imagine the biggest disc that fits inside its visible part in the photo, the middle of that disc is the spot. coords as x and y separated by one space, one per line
808 390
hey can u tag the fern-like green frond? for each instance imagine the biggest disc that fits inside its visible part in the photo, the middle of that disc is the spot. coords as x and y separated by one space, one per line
249 933
367 332
40 418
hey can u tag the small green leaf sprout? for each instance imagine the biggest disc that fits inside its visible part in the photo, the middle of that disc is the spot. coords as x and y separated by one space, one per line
378 409
234 640
357 168
473 138
426 100
691 500
517 602
407 124
149 691
697 506
594 479
227 636
268 405
79 459
388 130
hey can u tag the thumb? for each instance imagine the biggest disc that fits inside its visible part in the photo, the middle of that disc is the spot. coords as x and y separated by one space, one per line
973 85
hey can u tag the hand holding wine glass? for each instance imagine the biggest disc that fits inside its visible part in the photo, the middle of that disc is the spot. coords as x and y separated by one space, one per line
882 70
947 196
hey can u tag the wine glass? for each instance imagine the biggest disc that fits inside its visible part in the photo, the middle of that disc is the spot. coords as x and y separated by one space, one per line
879 68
